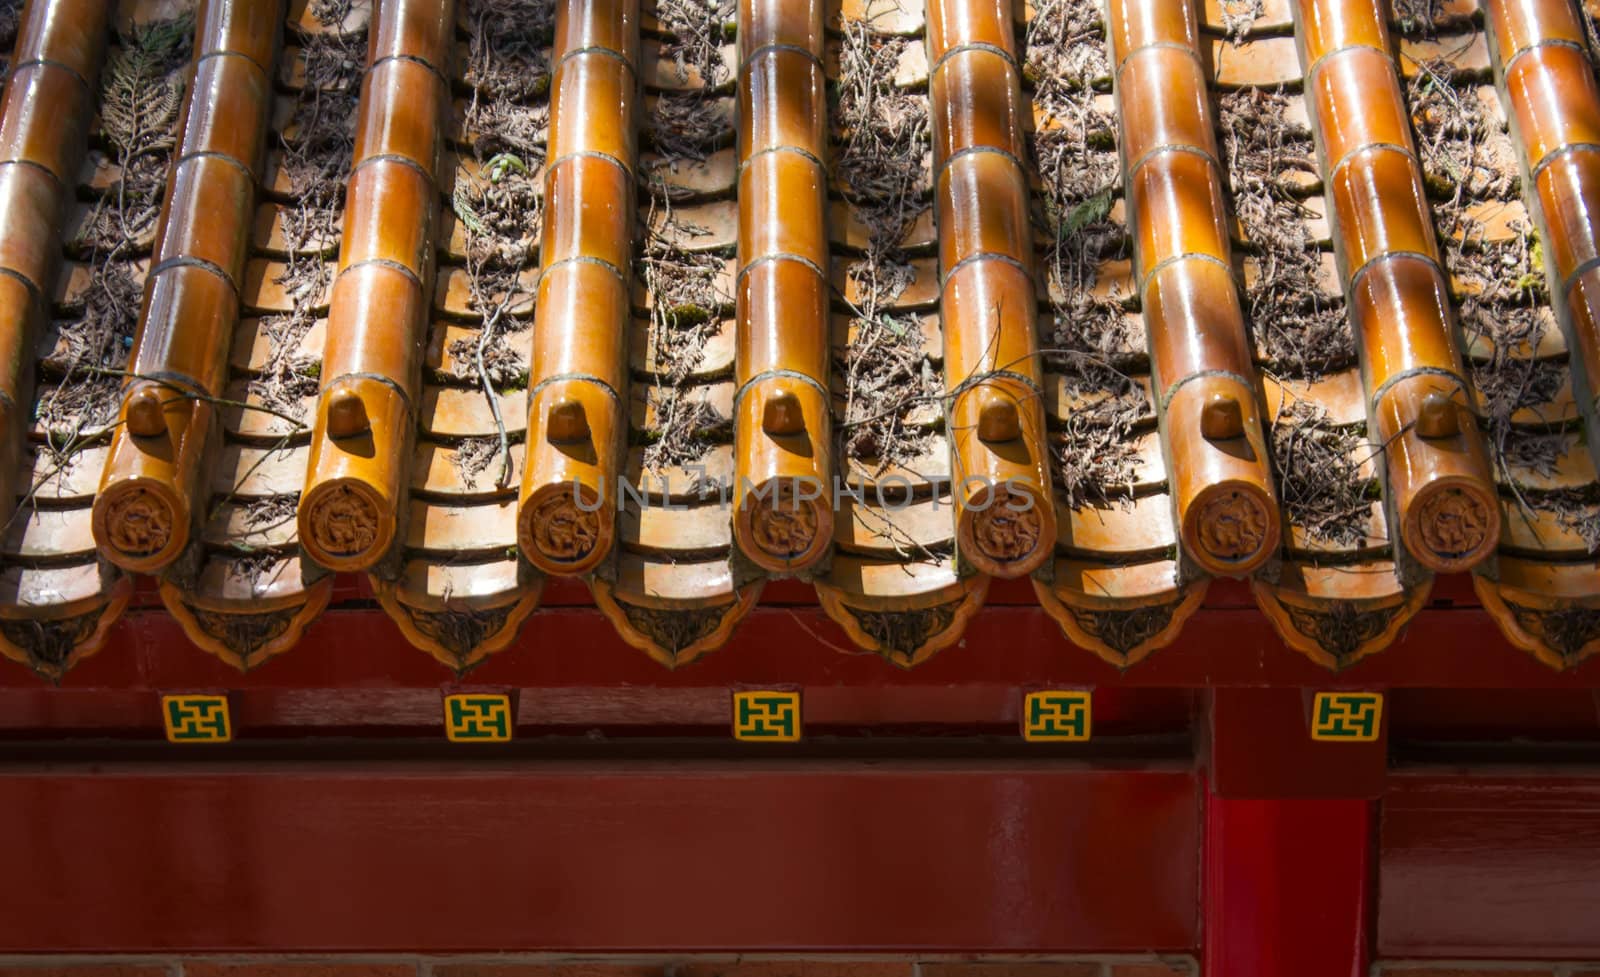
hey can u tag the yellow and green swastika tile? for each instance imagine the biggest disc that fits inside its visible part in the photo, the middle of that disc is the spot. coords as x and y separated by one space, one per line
1057 716
767 715
196 718
1346 717
477 717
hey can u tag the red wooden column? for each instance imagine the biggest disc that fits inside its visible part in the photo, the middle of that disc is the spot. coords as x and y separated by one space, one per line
1288 873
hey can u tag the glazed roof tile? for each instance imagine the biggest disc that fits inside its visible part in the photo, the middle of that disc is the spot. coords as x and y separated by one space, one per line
1302 291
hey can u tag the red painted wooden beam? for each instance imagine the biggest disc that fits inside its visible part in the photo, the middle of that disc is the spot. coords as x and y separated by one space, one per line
571 647
1501 864
355 670
599 856
1259 745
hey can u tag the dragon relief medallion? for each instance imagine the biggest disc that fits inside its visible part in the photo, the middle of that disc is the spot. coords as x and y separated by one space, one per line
563 531
1453 522
1232 526
343 521
1006 531
138 522
781 525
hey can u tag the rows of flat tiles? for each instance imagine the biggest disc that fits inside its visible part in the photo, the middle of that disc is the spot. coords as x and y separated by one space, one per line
894 550
455 519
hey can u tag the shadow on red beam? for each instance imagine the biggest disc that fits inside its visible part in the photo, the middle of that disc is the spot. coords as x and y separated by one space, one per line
592 857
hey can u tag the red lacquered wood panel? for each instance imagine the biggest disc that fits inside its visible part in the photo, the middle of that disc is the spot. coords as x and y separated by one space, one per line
1287 888
1260 747
620 856
1490 866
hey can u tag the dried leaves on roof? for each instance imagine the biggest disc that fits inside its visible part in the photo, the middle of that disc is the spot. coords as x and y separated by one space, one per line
695 33
1575 510
1299 330
141 96
1239 17
1424 18
1464 153
10 20
1468 161
500 204
687 125
882 165
687 302
1091 341
315 149
509 71
505 46
1318 469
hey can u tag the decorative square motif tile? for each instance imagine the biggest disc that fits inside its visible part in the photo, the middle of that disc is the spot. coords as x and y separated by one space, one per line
1346 717
1057 716
771 716
477 717
196 718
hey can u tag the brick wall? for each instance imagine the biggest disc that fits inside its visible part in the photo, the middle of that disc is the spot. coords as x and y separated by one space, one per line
704 966
546 966
1433 968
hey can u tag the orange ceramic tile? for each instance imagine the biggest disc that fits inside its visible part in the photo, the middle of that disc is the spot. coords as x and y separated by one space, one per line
460 613
58 614
689 533
43 124
1122 613
152 485
674 612
904 611
1337 615
1437 481
377 316
1200 356
246 611
1531 600
696 301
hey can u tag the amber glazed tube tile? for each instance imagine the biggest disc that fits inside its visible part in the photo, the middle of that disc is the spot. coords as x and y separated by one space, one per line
1114 587
1438 488
577 421
1541 54
1005 522
783 505
244 592
1542 58
145 510
378 312
1208 391
44 122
